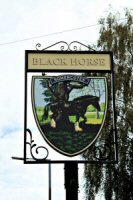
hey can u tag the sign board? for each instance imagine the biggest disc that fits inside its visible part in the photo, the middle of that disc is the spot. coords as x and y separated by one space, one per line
67 99
69 61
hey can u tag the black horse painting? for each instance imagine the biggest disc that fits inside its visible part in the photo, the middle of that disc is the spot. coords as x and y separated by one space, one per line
62 110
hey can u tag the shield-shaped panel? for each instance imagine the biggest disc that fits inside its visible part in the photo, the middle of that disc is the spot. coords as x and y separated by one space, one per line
69 110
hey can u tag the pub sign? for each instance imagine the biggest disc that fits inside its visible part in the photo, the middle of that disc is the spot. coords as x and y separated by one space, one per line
69 94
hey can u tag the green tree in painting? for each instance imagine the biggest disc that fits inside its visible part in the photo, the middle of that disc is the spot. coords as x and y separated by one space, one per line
116 181
50 93
98 88
60 90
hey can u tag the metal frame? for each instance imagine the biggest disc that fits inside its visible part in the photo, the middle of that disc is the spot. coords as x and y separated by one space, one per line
99 151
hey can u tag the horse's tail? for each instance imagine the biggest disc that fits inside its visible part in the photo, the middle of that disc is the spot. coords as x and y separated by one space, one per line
46 111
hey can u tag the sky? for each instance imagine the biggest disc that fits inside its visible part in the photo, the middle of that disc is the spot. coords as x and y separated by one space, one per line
23 25
39 98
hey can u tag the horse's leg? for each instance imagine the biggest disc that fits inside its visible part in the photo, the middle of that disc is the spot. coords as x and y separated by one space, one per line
53 122
76 125
85 119
56 119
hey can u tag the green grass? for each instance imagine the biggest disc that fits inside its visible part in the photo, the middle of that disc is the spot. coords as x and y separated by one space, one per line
70 142
40 112
91 117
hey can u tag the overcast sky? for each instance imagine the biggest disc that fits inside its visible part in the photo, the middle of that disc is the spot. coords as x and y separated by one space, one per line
19 22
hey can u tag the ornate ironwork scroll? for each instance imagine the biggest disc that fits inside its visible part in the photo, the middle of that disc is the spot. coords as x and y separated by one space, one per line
103 151
64 46
35 150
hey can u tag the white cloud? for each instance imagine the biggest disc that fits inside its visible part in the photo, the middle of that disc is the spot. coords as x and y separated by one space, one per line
19 181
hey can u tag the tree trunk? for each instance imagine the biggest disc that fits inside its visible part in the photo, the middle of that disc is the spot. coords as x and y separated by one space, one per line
98 115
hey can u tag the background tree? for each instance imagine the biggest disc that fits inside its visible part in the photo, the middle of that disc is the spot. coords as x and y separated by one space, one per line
49 92
116 181
98 88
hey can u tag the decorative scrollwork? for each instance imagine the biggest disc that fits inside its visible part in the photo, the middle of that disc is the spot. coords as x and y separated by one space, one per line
38 46
35 151
64 46
78 46
102 152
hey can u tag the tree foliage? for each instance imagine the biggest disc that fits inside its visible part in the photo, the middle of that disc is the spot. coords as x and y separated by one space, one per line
116 181
59 91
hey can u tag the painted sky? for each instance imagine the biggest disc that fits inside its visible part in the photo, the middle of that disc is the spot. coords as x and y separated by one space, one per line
39 98
21 23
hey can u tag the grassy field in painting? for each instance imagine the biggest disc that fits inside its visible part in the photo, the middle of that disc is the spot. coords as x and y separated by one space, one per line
91 117
68 140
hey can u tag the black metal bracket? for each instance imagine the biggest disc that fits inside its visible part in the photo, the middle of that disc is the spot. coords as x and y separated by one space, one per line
64 46
35 150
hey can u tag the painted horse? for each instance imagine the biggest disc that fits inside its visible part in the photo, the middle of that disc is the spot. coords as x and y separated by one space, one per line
76 107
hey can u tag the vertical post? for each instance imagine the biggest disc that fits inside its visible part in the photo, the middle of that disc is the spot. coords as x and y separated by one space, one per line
71 180
49 172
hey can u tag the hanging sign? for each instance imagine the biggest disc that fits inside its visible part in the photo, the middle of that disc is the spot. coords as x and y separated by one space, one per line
69 94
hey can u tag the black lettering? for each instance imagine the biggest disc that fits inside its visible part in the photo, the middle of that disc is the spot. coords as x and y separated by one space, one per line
102 62
73 61
49 62
96 62
63 61
35 61
56 61
82 61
